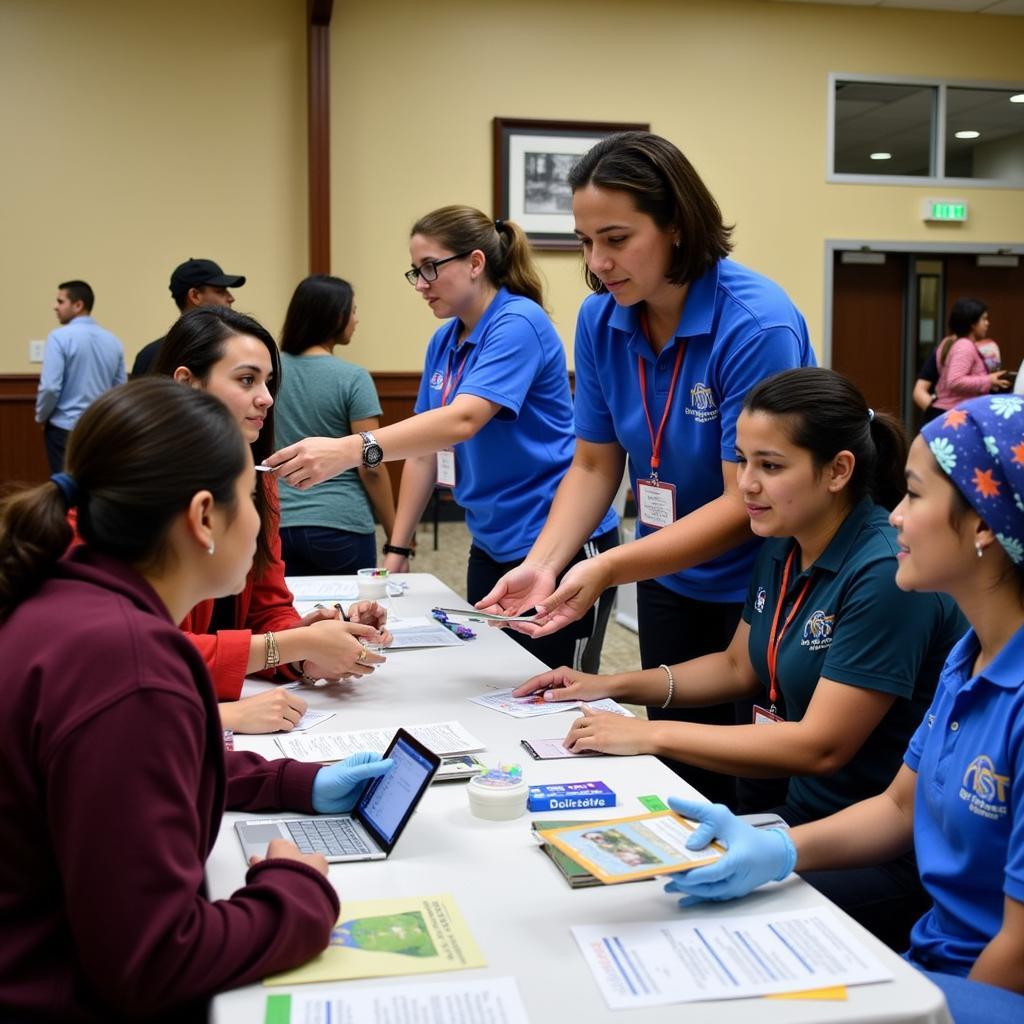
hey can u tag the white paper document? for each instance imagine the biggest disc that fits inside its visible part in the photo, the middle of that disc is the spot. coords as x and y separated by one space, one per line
535 706
489 1001
688 959
441 737
310 719
333 588
419 631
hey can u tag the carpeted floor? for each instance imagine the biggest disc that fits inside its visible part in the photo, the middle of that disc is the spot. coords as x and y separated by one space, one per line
620 652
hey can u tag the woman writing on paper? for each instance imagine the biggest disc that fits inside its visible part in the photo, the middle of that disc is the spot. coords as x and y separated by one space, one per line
838 690
674 336
230 356
493 417
955 799
115 774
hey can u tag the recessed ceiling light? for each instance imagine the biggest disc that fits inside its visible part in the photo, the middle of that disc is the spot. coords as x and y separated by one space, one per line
881 156
967 135
1018 98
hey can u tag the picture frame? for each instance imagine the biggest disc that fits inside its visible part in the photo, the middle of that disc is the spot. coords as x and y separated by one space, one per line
532 159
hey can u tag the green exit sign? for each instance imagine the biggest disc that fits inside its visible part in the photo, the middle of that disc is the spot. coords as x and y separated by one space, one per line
947 210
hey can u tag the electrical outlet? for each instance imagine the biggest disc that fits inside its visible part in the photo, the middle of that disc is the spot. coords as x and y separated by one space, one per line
35 351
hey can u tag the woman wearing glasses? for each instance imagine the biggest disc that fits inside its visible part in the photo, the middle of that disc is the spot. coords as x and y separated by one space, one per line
493 418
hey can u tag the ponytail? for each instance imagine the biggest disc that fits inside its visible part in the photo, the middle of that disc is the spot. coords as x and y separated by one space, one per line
509 258
828 415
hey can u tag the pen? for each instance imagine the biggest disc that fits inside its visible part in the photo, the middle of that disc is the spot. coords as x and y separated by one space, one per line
341 611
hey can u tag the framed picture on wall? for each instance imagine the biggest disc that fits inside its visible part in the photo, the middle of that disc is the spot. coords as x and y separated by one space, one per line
531 168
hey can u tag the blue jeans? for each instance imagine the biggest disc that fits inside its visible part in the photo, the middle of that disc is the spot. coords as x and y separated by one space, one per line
321 551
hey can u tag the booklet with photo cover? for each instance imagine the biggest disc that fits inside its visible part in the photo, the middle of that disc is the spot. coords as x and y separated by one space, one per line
575 874
626 849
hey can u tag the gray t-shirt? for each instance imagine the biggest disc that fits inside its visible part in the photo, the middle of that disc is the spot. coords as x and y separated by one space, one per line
320 396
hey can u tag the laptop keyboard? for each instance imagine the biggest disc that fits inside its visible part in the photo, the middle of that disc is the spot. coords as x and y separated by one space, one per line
333 837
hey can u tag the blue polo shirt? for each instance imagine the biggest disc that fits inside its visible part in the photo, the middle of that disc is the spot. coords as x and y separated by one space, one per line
507 474
968 821
738 328
855 627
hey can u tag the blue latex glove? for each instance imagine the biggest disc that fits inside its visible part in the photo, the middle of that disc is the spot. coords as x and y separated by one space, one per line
755 855
338 787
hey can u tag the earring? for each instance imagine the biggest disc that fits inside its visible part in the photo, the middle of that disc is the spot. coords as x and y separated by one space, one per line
978 549
210 550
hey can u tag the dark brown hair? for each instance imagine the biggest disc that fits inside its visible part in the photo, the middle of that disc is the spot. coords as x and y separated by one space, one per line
137 456
504 245
197 341
826 415
318 314
664 185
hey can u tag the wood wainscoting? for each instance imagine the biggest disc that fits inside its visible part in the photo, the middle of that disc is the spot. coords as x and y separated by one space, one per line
23 457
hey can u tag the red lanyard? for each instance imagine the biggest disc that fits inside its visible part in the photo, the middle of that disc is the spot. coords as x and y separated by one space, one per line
453 379
656 438
775 637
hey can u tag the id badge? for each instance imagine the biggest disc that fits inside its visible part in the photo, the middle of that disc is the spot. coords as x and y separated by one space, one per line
446 468
762 716
656 503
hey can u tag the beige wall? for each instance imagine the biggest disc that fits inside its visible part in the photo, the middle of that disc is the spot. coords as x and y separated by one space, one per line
137 134
741 87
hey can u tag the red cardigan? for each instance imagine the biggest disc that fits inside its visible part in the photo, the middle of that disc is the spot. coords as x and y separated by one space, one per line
264 606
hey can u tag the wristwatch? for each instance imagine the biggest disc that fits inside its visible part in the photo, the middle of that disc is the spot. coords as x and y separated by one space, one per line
373 454
394 549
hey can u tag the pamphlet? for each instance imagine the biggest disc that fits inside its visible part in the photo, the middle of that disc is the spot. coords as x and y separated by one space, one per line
311 718
419 631
636 847
535 706
451 1002
553 750
690 958
575 874
385 938
444 738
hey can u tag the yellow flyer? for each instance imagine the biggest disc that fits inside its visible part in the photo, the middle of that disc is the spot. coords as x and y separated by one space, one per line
384 938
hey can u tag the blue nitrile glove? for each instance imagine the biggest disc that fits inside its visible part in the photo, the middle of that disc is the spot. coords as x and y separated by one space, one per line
337 787
755 855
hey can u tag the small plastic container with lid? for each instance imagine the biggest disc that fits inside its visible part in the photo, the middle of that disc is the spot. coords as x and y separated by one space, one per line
499 794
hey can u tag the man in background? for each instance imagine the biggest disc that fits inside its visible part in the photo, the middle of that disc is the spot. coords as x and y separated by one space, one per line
81 361
194 283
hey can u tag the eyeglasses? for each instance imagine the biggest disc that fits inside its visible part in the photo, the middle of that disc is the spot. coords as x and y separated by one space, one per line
462 632
428 269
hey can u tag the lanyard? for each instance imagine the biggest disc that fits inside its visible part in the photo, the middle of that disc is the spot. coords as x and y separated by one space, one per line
775 637
656 437
453 379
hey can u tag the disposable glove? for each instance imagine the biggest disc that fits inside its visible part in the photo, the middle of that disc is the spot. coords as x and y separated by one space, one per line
338 787
755 856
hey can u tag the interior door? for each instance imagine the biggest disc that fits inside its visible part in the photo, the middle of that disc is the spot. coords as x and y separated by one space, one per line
1002 290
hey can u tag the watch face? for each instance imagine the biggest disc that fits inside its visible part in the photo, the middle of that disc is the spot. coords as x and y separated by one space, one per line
373 454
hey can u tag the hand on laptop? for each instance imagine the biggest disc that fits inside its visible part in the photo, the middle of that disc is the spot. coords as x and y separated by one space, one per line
284 849
338 787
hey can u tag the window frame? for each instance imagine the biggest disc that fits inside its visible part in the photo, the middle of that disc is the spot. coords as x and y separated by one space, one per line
938 139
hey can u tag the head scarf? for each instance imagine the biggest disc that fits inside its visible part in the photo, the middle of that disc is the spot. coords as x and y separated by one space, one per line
979 445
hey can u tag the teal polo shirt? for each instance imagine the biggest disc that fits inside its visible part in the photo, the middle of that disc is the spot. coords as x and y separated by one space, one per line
858 628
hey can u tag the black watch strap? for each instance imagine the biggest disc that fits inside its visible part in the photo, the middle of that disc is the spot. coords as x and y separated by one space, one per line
394 549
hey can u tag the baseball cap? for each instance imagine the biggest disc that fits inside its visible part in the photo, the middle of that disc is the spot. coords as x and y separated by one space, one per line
196 273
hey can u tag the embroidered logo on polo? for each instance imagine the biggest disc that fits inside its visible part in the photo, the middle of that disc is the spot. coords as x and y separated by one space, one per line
436 380
760 600
703 407
984 790
818 631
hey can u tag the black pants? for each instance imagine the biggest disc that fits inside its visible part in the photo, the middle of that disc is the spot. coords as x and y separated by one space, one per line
673 629
56 441
885 898
579 644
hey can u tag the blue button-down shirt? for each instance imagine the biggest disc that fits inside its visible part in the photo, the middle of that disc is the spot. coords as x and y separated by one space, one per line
80 362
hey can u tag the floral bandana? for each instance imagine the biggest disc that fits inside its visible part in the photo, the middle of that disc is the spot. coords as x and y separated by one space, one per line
979 445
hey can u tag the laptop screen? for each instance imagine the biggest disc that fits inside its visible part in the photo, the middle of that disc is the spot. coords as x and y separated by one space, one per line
389 801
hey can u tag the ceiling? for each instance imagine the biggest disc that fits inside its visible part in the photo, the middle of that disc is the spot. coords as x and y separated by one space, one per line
1014 7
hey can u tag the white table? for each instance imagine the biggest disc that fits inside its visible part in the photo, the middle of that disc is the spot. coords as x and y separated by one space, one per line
516 904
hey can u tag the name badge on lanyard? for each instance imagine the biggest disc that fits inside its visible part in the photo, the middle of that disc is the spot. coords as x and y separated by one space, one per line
768 716
655 500
446 458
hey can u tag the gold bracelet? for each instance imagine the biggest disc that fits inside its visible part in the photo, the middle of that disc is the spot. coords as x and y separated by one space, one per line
671 685
273 654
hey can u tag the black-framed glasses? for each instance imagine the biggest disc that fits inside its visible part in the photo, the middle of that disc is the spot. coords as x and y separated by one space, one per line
428 268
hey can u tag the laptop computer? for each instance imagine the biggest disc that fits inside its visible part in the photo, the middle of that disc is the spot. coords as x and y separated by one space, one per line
372 829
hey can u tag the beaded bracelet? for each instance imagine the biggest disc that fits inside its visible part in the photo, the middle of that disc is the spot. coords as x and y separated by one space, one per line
671 685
